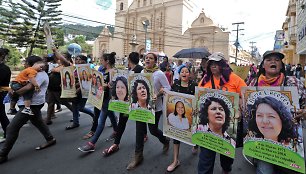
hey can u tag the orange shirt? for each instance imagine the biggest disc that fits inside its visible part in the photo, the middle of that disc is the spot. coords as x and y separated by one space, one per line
233 85
25 75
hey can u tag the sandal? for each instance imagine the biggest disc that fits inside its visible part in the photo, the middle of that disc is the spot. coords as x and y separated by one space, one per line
48 144
145 138
114 148
88 135
72 126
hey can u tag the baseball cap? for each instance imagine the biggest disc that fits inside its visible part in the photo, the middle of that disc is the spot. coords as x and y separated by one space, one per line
273 53
217 56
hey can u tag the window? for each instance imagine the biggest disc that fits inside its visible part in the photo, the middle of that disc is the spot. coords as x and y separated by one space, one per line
144 2
138 3
121 6
202 20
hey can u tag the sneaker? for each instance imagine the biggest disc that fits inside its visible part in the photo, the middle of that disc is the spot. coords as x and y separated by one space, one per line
111 137
12 111
89 147
27 111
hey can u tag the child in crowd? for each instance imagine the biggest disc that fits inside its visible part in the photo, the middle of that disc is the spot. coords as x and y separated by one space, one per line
23 78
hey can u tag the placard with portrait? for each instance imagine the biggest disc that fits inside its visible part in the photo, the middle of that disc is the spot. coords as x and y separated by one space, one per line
178 113
271 132
215 126
68 82
96 90
141 89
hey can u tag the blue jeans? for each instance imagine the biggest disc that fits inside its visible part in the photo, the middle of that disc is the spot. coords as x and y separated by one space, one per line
207 162
101 122
264 167
79 105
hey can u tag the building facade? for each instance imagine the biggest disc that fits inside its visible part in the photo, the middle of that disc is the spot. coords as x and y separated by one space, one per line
294 29
160 26
301 31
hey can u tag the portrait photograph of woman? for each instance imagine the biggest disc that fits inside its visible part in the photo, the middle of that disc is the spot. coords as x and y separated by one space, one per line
270 119
68 82
96 91
215 117
178 115
141 97
120 89
215 126
272 128
83 71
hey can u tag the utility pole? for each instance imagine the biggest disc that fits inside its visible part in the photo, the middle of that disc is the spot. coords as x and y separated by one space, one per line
252 47
237 37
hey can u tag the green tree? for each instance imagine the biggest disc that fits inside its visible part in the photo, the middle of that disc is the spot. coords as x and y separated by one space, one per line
37 12
9 23
14 56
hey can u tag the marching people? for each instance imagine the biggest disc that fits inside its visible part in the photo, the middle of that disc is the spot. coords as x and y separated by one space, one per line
272 73
133 65
38 101
218 76
108 61
4 82
186 86
78 103
160 83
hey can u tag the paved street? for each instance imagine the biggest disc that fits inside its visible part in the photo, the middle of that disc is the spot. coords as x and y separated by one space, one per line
64 158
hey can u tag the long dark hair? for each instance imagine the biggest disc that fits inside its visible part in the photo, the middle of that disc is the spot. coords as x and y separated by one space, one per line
124 81
134 91
225 72
204 112
110 58
288 129
175 112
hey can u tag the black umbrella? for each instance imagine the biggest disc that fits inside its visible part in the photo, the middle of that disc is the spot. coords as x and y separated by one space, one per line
196 53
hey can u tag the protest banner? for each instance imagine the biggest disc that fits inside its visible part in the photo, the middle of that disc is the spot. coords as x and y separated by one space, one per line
96 90
68 82
271 132
84 76
142 91
47 32
215 126
241 71
178 116
119 92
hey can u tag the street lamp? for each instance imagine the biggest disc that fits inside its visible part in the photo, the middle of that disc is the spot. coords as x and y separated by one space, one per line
145 24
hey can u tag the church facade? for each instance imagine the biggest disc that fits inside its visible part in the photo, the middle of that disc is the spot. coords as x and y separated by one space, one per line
160 26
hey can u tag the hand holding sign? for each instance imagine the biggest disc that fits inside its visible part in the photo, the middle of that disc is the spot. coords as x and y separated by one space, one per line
48 35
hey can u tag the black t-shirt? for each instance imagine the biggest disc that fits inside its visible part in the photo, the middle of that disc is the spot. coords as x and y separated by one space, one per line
54 81
137 69
106 89
5 75
176 87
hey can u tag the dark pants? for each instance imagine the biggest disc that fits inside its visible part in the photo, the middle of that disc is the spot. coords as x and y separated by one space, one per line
26 96
95 119
207 162
3 118
79 105
54 97
141 130
121 127
18 121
